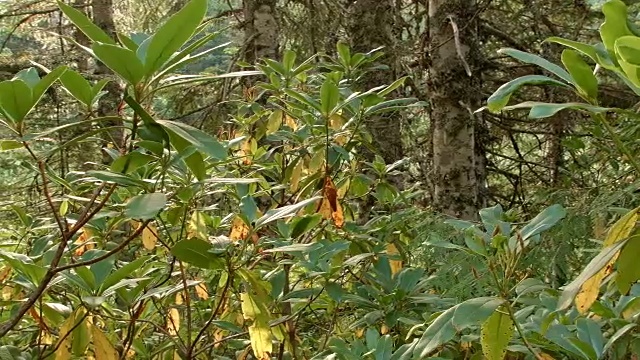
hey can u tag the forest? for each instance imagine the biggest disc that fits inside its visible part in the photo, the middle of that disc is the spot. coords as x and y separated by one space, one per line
319 179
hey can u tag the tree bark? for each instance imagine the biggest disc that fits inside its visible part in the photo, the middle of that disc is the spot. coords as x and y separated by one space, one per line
454 95
260 30
108 105
371 27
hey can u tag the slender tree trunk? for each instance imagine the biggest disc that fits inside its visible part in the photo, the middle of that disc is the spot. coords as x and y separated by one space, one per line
108 106
372 26
454 94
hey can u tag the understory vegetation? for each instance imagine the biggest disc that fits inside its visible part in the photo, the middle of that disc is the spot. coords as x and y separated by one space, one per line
139 221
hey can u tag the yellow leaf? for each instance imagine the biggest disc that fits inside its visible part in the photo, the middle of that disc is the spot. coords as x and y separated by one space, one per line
545 356
239 230
360 333
290 122
384 329
260 335
150 236
295 176
396 265
63 352
591 288
102 347
202 292
197 227
179 298
337 121
173 322
250 308
589 292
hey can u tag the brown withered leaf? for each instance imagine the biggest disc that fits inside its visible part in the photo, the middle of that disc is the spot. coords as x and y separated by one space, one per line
330 207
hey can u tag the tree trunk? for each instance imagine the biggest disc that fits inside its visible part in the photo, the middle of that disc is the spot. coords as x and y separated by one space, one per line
108 105
454 95
260 30
371 27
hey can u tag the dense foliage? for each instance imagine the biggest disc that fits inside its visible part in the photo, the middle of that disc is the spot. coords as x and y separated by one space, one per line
140 221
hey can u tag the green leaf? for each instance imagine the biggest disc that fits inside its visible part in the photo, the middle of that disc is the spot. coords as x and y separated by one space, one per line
122 273
589 331
10 145
43 85
628 50
594 266
329 96
29 76
121 60
198 138
396 84
500 98
77 86
537 60
474 311
543 221
440 331
597 53
495 335
283 212
174 34
15 100
82 22
628 271
116 178
196 252
617 335
145 206
131 161
615 24
80 336
581 73
304 224
344 52
541 110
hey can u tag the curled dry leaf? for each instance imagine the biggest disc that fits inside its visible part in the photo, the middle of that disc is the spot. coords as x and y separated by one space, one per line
330 207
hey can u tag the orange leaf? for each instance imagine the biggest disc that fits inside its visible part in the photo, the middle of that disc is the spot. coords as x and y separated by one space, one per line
396 265
83 242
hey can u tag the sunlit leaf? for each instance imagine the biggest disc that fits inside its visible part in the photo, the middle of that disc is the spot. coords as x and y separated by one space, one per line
495 335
